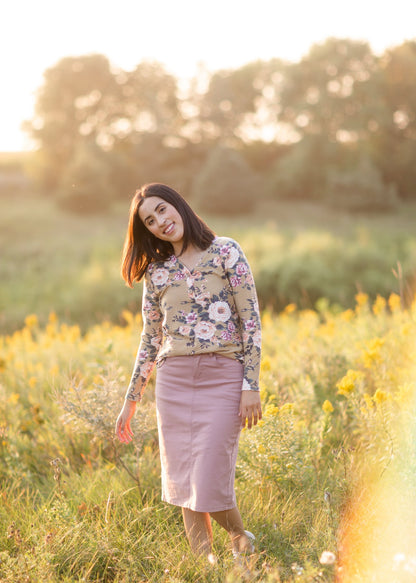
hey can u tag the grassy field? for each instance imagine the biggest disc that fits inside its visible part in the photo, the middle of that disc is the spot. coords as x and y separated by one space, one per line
330 469
326 482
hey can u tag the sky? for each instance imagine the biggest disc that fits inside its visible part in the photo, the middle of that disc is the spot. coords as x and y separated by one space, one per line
178 33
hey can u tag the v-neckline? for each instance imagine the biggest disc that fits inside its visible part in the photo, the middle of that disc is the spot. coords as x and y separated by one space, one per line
190 270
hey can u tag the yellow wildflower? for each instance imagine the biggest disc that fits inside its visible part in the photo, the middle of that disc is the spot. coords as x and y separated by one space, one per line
347 315
372 353
379 305
14 397
261 448
381 396
287 408
31 321
266 365
32 382
406 329
327 407
327 329
51 330
53 318
395 303
289 309
361 299
271 409
349 382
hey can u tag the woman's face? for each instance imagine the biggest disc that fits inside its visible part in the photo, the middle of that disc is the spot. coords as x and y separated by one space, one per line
163 220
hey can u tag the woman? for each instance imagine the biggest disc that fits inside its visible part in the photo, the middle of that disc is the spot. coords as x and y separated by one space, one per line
201 327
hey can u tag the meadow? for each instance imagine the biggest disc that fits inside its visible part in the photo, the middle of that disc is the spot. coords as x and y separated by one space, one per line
327 479
52 260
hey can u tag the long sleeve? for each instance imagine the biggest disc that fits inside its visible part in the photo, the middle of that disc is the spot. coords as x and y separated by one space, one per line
150 341
241 281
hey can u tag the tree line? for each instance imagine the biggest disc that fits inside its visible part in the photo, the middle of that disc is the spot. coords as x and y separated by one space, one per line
338 126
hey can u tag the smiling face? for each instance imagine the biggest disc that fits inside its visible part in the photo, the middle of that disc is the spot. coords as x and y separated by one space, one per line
163 221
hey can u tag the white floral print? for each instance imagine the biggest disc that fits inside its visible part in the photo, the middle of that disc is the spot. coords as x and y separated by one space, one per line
219 311
198 311
160 276
204 330
232 258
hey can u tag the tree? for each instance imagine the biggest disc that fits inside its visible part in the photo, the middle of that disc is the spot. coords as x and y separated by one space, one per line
234 105
85 100
78 97
226 184
332 92
394 143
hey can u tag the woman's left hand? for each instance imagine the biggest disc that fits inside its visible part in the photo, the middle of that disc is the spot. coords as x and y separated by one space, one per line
250 408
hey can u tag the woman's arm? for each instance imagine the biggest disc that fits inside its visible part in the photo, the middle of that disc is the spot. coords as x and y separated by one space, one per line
243 288
150 341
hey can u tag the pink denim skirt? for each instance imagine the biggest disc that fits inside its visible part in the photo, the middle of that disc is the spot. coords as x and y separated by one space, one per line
197 401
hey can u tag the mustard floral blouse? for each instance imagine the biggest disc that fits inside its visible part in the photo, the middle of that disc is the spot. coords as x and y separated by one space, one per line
211 308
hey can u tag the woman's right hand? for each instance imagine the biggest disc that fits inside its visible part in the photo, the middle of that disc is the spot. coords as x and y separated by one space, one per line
123 429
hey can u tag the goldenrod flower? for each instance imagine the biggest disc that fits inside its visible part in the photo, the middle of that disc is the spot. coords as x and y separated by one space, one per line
372 353
327 407
395 303
380 396
289 309
349 382
379 305
266 365
347 315
287 408
53 318
271 409
31 321
14 397
361 299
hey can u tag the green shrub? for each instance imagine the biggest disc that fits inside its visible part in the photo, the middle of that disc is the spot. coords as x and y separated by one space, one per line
360 189
226 184
85 186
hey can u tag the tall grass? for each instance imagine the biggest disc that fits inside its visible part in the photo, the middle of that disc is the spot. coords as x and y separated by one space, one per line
317 473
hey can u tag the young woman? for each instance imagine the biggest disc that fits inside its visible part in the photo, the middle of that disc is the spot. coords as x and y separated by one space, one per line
201 327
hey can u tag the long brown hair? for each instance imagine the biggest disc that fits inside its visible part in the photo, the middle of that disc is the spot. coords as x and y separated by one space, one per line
141 247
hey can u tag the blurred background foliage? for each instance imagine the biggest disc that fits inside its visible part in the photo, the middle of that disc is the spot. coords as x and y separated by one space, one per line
310 165
337 126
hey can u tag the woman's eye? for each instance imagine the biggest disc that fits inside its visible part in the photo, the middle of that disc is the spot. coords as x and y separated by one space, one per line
161 209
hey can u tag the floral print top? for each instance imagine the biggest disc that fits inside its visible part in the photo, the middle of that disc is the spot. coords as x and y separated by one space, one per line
210 308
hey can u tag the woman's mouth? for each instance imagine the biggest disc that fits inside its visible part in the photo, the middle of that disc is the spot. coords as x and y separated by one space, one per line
169 229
